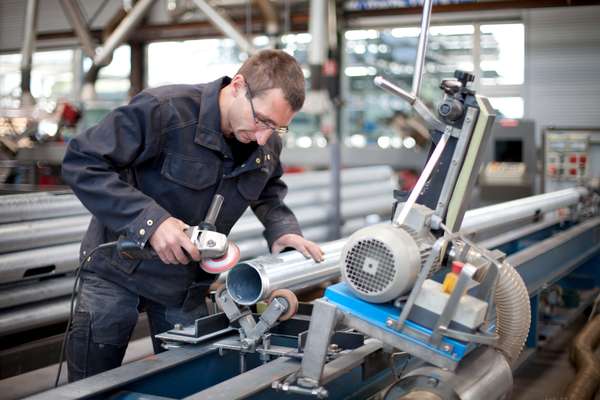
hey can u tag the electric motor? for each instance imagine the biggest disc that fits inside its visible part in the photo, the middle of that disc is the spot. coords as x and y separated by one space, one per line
381 262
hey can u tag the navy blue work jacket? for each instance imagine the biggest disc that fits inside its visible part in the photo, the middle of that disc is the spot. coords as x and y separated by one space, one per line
164 155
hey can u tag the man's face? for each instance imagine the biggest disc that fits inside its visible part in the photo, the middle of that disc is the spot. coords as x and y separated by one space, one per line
254 119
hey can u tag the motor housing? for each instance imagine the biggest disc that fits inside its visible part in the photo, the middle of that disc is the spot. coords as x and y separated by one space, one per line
381 262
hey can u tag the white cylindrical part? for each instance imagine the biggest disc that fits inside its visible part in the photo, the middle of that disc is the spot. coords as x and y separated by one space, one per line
421 49
515 210
317 27
252 281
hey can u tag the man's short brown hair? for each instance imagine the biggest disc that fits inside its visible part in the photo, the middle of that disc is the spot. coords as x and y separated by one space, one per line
272 69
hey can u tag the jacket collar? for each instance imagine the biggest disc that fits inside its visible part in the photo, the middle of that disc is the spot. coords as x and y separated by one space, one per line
208 131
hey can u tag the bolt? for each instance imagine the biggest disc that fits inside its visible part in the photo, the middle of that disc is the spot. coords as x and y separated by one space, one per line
178 327
468 119
432 381
389 322
211 243
447 348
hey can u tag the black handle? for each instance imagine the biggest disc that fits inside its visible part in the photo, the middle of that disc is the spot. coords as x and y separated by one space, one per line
129 250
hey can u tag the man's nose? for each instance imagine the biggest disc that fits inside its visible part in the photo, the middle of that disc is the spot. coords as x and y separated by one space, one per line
262 136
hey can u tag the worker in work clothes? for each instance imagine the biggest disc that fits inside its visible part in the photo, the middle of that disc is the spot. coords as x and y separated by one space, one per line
151 168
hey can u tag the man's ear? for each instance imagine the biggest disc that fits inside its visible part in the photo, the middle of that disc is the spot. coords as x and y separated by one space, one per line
238 84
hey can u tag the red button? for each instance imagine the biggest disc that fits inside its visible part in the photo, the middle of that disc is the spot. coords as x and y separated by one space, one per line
573 171
582 159
573 159
552 170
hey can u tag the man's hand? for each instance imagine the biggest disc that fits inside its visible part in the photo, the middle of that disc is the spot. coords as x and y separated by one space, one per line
306 247
168 240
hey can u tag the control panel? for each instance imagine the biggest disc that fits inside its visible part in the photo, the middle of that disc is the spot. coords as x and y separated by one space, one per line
571 157
567 156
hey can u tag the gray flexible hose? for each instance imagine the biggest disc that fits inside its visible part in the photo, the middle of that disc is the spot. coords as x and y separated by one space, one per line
513 312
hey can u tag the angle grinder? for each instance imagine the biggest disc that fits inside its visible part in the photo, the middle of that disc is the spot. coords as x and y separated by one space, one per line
218 253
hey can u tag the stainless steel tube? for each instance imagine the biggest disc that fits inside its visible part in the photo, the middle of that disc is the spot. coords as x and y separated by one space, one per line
349 176
32 292
34 316
251 248
39 262
254 280
515 210
48 232
394 89
28 208
310 216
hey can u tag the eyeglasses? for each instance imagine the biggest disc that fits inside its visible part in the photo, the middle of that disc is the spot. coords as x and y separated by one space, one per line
262 123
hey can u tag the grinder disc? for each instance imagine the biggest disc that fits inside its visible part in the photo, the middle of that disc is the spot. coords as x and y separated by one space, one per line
222 264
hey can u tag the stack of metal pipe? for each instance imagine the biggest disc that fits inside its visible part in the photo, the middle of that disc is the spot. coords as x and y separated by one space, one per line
40 235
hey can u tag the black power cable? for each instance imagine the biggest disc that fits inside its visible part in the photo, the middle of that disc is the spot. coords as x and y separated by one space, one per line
75 299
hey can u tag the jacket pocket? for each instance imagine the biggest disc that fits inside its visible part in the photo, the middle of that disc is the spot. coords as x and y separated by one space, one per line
125 265
189 172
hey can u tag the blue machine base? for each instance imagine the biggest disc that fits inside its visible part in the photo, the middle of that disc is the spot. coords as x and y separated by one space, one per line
377 315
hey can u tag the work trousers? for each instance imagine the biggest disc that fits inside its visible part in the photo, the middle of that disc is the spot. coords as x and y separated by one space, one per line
103 322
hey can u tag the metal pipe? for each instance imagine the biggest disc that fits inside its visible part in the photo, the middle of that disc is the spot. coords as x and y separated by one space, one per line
39 262
27 51
251 248
323 178
34 316
40 208
121 32
421 49
36 234
515 210
226 26
418 105
301 198
51 260
32 292
75 17
254 280
394 89
483 374
310 216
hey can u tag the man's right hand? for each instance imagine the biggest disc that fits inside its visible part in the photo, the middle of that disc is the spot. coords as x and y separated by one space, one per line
169 240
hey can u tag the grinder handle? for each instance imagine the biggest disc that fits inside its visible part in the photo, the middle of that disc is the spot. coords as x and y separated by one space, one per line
213 212
130 250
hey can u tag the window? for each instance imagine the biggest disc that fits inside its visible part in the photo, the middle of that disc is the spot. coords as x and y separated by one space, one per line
493 52
502 54
51 76
204 60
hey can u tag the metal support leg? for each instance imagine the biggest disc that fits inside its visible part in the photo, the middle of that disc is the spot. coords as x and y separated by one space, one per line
322 324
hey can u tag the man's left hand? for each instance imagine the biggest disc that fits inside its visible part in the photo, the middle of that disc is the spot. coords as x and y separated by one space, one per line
306 247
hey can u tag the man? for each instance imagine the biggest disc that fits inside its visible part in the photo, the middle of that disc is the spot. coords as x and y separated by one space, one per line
150 169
